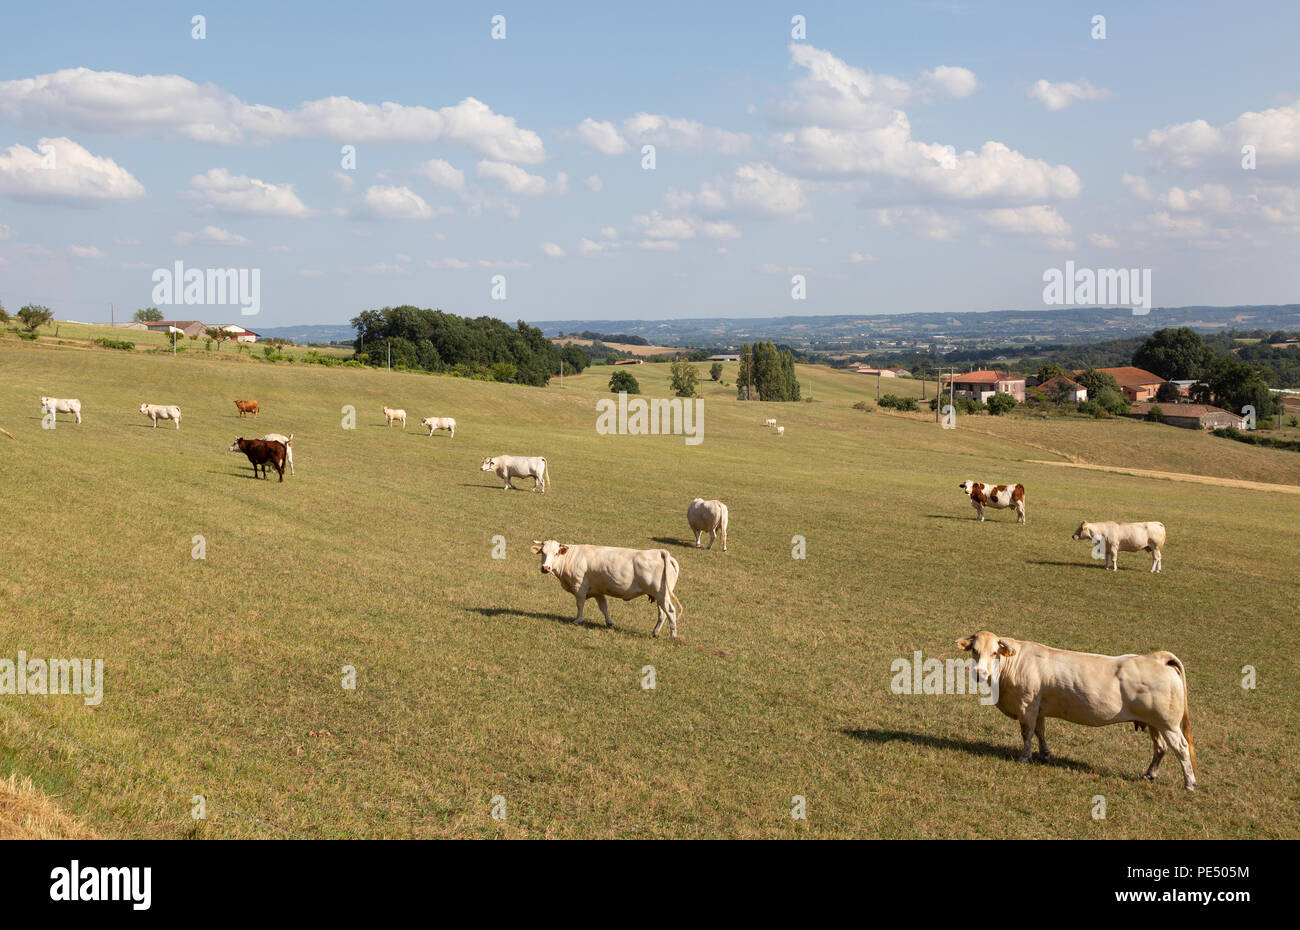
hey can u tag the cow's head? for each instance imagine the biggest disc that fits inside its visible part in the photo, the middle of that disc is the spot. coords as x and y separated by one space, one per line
488 464
1084 531
143 407
984 647
45 401
549 550
234 446
966 487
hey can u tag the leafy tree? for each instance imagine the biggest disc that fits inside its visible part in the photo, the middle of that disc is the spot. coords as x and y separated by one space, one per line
1097 381
1051 370
715 371
1111 400
1174 354
504 372
215 334
1232 384
1000 403
575 360
4 314
34 315
1168 393
1156 414
745 380
148 315
622 380
684 378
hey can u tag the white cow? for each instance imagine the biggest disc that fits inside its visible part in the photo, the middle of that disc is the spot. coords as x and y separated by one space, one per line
437 423
158 412
780 430
607 571
708 516
1125 537
57 405
288 446
390 415
509 467
997 496
770 421
1035 682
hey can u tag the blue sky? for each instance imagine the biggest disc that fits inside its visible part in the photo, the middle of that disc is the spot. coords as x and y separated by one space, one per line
522 157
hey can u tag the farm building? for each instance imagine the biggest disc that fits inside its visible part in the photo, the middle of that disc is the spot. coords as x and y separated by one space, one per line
723 358
238 333
630 361
1077 392
188 327
900 372
867 370
981 385
1136 383
1189 416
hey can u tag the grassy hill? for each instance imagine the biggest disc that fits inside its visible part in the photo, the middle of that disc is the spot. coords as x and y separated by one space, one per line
223 675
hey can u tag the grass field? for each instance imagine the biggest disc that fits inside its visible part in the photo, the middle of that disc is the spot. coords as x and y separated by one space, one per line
223 676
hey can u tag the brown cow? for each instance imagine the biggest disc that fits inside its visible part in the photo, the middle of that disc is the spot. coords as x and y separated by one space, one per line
261 452
246 407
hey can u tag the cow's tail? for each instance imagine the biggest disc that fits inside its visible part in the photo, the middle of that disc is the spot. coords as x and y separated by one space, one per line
671 572
290 442
546 470
1177 665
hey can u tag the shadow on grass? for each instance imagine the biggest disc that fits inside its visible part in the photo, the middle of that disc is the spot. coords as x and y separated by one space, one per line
970 747
673 541
1065 564
567 619
948 516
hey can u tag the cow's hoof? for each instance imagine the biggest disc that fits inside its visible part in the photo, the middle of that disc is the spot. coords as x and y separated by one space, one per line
1189 787
1147 776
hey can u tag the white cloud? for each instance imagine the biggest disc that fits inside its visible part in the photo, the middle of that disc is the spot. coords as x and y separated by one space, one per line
949 81
211 235
859 257
552 250
396 203
602 136
1274 133
74 174
1103 241
594 183
219 190
114 102
675 132
84 251
518 181
442 174
919 221
454 264
5 232
344 180
1066 93
1034 220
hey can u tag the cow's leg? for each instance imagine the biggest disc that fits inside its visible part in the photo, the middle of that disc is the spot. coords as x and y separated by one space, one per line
724 537
713 534
980 509
1157 754
1020 512
1041 732
604 609
582 602
1175 740
78 416
1155 560
1112 558
697 538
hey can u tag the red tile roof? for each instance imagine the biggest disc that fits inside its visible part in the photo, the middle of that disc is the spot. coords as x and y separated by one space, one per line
985 376
1128 376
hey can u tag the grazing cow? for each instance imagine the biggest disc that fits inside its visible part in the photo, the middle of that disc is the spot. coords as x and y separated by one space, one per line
288 447
158 412
390 415
607 571
246 407
1125 537
437 423
780 430
58 405
770 421
1034 682
710 516
262 452
510 467
997 496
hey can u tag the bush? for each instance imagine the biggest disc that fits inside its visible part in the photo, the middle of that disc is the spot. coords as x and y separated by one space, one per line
863 405
999 404
1093 409
1156 414
684 378
622 380
34 315
894 402
121 344
1254 439
715 371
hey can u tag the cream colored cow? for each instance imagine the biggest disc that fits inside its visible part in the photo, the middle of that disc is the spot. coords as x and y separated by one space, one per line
607 571
708 517
390 415
1125 537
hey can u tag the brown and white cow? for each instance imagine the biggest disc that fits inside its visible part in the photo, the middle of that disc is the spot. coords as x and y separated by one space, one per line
997 496
1034 682
246 407
262 452
608 571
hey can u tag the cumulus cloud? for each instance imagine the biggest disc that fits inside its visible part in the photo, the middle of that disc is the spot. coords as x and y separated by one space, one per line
59 169
518 181
84 251
602 136
1274 133
594 183
114 102
657 129
919 221
396 203
219 190
551 250
442 174
1034 220
1066 93
210 235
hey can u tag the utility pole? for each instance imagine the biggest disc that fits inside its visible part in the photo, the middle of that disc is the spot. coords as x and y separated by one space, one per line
112 319
390 355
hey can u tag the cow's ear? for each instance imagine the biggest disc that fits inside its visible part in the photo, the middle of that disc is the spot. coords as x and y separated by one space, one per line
964 643
536 549
1005 648
563 548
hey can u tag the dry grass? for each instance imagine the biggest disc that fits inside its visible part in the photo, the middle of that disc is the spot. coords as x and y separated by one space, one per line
223 676
26 813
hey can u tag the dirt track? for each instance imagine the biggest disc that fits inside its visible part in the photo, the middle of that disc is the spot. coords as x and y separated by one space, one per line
1178 476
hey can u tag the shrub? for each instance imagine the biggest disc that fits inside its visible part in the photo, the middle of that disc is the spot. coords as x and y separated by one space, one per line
1156 414
715 371
684 378
894 402
1254 439
999 404
622 380
121 344
863 405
